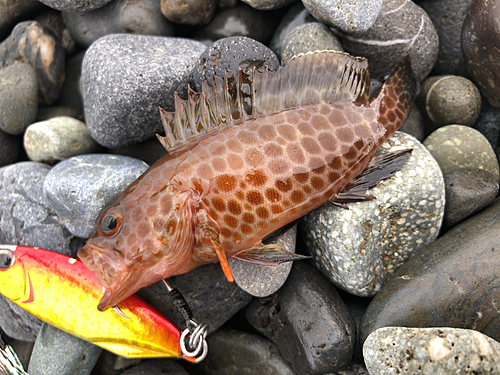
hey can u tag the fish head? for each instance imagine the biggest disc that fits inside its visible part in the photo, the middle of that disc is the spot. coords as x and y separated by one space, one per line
13 280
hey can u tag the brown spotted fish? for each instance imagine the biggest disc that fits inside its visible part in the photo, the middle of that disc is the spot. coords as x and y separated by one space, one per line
245 158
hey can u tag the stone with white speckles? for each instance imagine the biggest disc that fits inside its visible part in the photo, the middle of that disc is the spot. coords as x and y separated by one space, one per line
401 350
360 247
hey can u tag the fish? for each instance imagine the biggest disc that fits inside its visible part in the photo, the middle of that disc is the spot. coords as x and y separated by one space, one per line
62 291
246 156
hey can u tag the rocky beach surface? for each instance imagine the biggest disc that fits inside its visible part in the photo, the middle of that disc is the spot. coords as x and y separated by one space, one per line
406 283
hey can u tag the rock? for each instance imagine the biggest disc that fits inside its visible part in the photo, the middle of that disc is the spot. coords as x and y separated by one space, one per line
16 322
232 53
308 321
125 78
399 350
308 37
18 98
112 364
447 100
414 124
353 369
71 95
47 113
157 367
9 148
148 151
193 12
57 139
58 352
480 47
235 352
34 44
447 17
453 282
23 350
401 27
81 187
458 146
467 191
353 17
268 4
53 21
75 5
359 248
12 11
487 123
120 16
260 280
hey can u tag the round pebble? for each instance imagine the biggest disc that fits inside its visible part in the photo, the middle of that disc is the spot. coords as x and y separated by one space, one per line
193 12
268 4
75 5
458 146
57 139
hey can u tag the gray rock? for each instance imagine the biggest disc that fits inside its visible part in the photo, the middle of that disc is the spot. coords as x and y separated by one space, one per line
75 5
268 4
16 322
232 53
148 151
359 248
458 146
57 139
259 280
157 367
9 148
414 124
71 95
308 37
353 369
191 12
23 350
353 17
125 78
120 16
12 11
401 27
59 353
53 21
18 98
80 188
308 321
488 123
467 191
400 350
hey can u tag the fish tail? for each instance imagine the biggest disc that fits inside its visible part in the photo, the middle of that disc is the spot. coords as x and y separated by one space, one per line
396 95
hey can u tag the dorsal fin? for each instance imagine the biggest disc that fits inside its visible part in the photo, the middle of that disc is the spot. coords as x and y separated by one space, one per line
311 78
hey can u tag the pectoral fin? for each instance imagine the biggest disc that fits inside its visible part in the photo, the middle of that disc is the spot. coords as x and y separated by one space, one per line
223 260
268 255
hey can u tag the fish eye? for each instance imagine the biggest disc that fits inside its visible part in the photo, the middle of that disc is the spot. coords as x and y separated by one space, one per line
7 259
110 224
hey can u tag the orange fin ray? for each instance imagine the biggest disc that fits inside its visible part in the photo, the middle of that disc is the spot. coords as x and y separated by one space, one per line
221 254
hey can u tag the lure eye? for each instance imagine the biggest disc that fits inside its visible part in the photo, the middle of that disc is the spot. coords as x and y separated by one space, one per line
110 224
7 259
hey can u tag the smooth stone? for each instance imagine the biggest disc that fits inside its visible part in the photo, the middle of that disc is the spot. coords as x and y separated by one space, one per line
9 148
234 352
34 44
190 12
268 4
353 17
46 113
13 11
360 248
125 78
120 16
400 350
18 98
488 123
260 280
80 6
414 124
148 151
71 96
57 139
232 54
480 35
308 37
59 353
458 146
308 321
453 282
213 300
467 191
447 17
157 367
447 100
53 21
402 27
81 187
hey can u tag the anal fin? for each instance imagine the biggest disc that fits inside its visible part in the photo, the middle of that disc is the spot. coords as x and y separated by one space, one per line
269 255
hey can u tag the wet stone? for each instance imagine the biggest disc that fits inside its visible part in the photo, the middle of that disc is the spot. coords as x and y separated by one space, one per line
359 248
260 280
125 78
9 148
18 98
400 350
453 282
309 37
157 367
57 139
81 187
75 5
308 321
353 17
120 16
193 12
467 191
457 146
268 4
401 27
232 53
58 352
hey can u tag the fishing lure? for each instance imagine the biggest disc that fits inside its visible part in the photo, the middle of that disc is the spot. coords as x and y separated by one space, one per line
245 157
61 291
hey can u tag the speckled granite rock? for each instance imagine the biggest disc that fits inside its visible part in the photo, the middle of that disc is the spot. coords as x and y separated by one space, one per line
262 281
457 146
75 5
399 350
359 248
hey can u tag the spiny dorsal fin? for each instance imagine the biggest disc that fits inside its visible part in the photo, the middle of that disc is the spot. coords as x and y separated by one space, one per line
311 78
